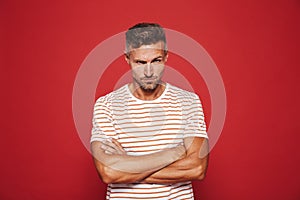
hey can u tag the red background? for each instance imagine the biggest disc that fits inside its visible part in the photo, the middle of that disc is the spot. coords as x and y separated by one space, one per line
255 45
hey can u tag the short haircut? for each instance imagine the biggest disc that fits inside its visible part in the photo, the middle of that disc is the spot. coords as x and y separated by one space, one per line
144 34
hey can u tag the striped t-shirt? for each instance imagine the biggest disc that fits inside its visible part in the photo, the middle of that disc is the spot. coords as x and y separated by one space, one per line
148 126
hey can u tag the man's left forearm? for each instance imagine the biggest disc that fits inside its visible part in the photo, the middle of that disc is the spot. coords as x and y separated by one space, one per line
187 169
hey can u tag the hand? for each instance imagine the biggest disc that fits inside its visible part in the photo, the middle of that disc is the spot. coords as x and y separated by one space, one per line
112 146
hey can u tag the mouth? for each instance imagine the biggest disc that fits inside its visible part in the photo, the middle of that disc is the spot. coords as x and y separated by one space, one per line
149 79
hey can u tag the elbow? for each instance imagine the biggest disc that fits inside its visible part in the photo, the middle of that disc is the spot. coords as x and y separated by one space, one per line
107 179
200 177
199 173
107 175
104 173
197 170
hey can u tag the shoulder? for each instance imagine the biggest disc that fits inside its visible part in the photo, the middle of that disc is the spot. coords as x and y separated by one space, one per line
182 94
115 95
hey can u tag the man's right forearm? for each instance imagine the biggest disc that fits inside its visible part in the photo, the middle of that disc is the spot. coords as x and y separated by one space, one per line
122 168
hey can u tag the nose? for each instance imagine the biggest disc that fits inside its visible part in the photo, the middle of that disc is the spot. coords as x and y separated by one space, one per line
148 70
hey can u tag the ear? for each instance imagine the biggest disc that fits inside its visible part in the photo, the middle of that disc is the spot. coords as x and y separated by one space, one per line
126 56
166 56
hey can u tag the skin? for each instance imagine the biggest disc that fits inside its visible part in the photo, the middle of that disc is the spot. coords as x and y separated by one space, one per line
178 164
115 166
147 65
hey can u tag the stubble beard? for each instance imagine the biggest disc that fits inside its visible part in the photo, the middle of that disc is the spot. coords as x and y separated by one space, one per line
145 87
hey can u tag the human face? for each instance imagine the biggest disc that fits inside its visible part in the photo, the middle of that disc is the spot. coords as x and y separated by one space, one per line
147 64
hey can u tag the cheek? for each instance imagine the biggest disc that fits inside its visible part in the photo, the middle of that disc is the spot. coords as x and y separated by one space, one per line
159 70
137 71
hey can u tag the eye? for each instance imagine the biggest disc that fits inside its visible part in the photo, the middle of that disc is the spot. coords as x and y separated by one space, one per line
157 60
141 62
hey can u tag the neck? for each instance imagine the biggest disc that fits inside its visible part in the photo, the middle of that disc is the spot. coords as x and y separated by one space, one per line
143 94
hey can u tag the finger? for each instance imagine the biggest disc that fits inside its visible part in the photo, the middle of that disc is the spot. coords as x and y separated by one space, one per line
107 152
110 143
113 143
118 145
107 148
113 146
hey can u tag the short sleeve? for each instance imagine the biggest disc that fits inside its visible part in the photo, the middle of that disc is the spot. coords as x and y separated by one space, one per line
103 127
195 125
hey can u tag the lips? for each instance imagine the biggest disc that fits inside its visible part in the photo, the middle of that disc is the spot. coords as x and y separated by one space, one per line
149 79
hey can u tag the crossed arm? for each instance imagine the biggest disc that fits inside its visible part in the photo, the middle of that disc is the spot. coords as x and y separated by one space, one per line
178 164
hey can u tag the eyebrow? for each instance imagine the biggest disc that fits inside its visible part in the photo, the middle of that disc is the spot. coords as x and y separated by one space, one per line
138 60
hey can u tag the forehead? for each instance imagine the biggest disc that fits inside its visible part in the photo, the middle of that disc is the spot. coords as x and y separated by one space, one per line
146 52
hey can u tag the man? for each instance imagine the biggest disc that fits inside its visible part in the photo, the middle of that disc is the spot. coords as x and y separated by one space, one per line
149 137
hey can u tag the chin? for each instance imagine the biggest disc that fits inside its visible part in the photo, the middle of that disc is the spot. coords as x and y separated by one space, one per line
149 88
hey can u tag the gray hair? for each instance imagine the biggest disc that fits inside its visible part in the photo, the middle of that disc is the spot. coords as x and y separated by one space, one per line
144 34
